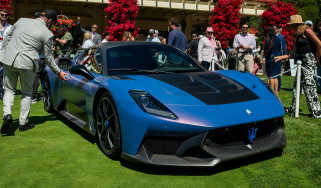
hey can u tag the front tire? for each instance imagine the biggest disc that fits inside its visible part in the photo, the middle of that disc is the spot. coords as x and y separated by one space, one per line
47 98
107 125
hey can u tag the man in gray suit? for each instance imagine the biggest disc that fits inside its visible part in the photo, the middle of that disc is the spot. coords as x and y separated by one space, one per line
20 57
95 37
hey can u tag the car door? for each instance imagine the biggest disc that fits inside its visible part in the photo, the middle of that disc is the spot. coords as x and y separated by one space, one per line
76 89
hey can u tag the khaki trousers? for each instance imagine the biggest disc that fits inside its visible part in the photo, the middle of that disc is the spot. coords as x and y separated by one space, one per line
245 62
10 79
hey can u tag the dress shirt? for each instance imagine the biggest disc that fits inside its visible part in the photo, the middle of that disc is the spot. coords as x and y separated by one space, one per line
3 33
87 44
245 40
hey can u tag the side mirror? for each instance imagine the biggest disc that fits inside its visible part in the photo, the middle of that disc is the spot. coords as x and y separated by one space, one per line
81 70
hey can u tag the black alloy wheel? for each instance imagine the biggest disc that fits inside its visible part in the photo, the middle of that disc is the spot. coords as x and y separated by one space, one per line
107 125
47 98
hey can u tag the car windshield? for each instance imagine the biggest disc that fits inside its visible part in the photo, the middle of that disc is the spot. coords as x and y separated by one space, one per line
149 59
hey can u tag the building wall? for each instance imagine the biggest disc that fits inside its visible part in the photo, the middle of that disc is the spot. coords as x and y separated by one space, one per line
90 13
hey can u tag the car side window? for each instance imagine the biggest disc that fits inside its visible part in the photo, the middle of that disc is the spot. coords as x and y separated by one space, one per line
175 59
169 58
92 60
159 56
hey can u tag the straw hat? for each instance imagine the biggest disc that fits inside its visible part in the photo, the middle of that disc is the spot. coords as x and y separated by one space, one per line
295 19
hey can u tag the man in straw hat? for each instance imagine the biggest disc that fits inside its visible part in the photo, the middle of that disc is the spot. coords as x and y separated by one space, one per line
305 43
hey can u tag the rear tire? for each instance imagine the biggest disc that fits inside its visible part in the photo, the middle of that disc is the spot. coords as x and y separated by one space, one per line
107 126
47 97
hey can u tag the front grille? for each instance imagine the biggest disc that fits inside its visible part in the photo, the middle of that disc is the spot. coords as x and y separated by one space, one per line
239 134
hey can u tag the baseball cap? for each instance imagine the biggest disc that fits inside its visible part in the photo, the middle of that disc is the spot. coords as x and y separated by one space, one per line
51 14
309 23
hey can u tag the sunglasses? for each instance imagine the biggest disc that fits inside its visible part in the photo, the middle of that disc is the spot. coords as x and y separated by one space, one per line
245 27
4 15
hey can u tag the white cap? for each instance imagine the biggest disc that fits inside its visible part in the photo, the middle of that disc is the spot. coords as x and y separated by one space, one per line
309 23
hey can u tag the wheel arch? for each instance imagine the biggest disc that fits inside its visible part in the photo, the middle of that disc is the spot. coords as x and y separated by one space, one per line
98 95
96 99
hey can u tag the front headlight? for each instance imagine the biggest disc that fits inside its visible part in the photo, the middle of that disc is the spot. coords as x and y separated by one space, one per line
151 105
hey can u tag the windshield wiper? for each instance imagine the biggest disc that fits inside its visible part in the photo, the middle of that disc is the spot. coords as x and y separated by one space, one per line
153 71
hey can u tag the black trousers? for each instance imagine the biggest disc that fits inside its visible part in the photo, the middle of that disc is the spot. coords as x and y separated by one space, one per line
35 87
37 80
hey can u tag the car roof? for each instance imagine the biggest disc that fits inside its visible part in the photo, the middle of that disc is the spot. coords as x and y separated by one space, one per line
122 43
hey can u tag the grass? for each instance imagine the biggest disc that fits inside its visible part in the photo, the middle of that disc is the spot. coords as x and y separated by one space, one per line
54 154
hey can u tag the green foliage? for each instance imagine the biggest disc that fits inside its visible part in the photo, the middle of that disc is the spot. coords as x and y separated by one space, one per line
309 9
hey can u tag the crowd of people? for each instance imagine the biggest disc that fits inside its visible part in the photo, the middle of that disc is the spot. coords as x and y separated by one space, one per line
40 45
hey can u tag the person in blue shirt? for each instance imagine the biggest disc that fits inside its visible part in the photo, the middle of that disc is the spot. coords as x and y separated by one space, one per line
278 30
275 45
176 37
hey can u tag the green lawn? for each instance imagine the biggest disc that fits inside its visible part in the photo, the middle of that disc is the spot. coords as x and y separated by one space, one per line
56 154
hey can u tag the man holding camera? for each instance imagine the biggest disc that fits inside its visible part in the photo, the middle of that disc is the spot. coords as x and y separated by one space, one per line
245 43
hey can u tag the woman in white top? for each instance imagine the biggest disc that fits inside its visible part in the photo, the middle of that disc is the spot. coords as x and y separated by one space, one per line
88 43
207 49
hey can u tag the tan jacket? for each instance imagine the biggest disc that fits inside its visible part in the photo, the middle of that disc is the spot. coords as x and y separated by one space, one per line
25 41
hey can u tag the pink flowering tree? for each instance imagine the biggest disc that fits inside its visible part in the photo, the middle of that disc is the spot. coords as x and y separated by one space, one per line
225 20
279 14
120 17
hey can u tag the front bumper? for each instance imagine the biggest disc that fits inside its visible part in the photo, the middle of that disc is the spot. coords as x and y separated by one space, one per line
212 147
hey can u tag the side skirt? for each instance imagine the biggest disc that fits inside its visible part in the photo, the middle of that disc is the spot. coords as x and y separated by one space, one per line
77 121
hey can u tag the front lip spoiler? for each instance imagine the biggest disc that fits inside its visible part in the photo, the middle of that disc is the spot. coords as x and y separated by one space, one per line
219 154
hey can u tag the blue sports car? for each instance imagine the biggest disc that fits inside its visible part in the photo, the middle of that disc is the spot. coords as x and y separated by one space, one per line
153 104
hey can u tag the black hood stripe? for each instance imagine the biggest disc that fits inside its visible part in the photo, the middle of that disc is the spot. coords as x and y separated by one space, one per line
210 87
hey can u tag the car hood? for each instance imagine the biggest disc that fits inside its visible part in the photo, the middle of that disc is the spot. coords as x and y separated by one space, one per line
207 98
203 88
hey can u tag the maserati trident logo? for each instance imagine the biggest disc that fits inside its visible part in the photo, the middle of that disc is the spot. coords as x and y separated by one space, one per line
248 111
252 134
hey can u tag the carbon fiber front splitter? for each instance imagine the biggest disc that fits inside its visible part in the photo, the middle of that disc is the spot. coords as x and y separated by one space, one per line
208 154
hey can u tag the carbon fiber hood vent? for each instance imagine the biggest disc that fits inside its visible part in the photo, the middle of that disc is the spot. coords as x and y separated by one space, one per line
211 88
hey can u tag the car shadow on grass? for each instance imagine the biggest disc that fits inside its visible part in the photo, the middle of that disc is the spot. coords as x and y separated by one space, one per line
76 128
176 171
201 171
38 120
